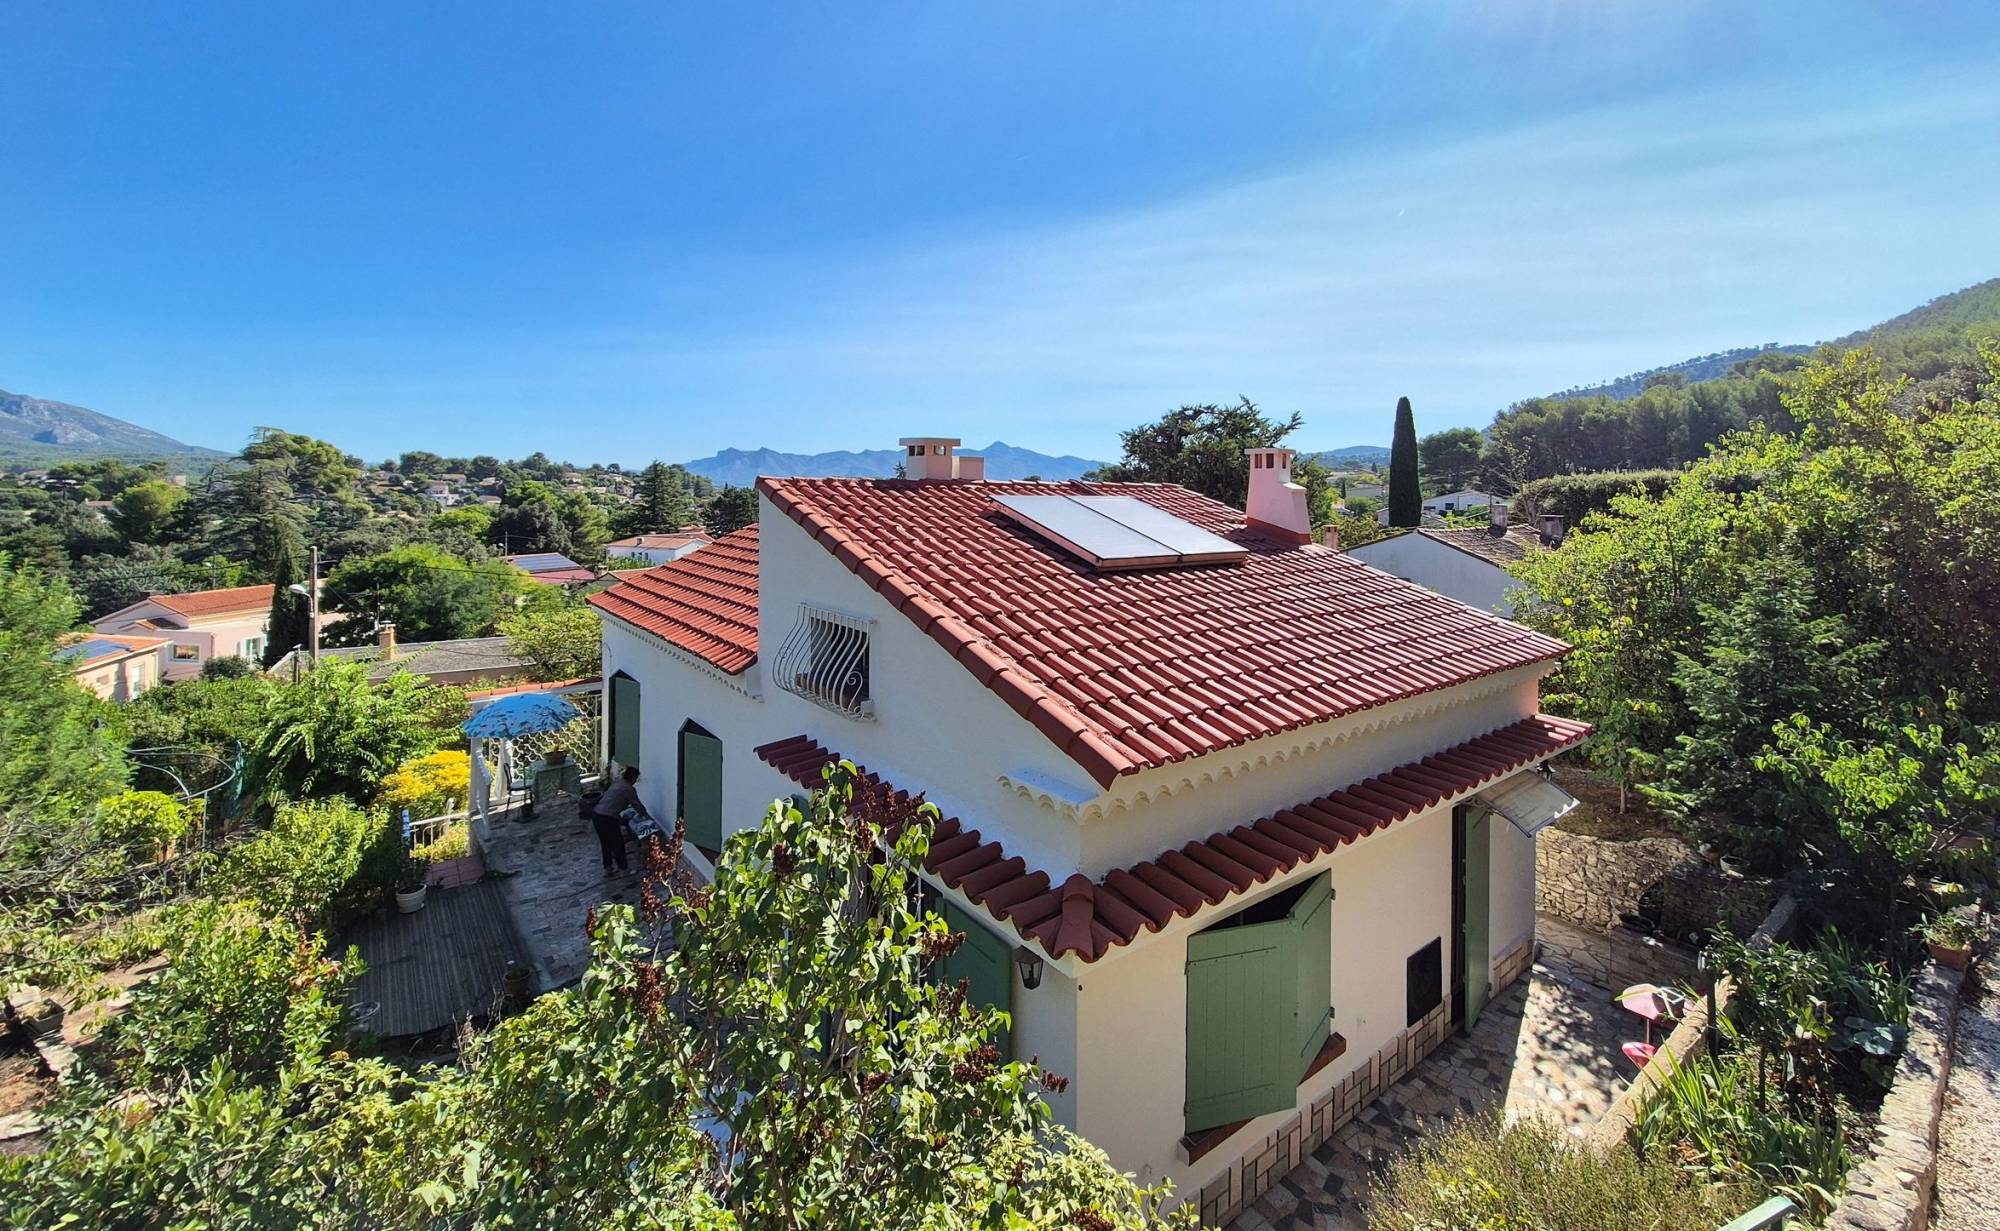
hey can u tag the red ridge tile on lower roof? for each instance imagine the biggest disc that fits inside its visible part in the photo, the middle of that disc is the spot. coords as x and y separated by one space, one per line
1087 918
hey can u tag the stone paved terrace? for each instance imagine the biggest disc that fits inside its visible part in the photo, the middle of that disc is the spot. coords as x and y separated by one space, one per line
550 876
1547 1046
1968 1190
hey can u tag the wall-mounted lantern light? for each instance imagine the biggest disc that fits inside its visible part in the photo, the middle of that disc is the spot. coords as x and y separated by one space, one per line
1030 963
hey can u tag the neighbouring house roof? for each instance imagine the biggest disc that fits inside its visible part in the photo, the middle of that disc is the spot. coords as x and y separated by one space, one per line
83 651
1131 670
1089 917
1500 549
542 561
198 603
704 602
679 539
427 658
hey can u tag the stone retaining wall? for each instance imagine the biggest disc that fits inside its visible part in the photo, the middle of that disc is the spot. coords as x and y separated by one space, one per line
1591 881
1891 1189
1253 1174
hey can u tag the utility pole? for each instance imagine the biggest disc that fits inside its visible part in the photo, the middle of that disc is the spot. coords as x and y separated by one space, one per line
312 604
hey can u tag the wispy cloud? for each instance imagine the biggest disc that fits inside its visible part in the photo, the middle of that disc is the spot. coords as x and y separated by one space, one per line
1463 274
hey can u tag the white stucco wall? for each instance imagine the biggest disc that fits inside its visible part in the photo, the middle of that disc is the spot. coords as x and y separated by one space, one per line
1447 570
1392 896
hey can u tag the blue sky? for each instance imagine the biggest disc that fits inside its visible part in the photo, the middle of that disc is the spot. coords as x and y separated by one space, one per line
623 232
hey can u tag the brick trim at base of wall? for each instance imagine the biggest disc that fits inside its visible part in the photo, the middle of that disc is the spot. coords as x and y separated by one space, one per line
1254 1173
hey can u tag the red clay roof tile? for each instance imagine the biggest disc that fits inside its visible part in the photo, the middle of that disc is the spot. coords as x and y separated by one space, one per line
1089 918
1130 670
198 603
704 602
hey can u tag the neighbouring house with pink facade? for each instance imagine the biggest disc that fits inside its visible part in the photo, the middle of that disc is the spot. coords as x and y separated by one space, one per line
116 668
199 625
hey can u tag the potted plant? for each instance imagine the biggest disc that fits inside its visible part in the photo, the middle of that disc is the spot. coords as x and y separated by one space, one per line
555 756
1949 938
43 1018
413 885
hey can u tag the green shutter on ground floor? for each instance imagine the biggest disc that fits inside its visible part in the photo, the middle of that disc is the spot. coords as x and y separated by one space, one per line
625 744
1259 1001
985 962
701 789
1314 916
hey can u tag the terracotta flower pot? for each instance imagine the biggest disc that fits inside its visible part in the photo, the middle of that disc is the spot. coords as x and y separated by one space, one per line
554 756
1948 956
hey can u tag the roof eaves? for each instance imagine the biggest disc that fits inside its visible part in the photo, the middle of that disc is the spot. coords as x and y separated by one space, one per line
1087 918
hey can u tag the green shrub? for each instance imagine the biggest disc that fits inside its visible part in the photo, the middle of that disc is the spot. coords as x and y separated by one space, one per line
145 823
319 862
1478 1176
1708 1117
240 988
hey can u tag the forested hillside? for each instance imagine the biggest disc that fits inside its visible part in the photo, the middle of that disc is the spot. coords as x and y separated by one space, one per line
1671 421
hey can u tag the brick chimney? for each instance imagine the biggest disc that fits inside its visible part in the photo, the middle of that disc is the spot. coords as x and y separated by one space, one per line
385 638
1330 535
1496 514
1277 506
1552 529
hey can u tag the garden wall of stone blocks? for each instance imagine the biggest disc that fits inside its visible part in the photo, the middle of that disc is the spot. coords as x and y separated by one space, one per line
1891 1189
1590 882
1253 1174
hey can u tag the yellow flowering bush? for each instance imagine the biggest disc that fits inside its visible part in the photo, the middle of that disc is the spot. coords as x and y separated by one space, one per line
426 785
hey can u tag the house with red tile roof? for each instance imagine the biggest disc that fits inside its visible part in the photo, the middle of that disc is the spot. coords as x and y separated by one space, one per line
200 625
1470 564
659 548
1236 826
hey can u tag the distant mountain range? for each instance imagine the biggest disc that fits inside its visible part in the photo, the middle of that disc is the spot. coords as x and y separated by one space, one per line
740 467
38 430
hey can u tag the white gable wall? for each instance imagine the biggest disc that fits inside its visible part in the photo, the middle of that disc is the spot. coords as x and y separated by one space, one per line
936 729
1449 571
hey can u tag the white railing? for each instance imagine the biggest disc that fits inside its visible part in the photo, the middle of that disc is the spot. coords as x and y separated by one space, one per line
425 830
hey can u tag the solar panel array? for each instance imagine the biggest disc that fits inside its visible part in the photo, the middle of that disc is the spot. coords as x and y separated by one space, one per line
1119 532
95 647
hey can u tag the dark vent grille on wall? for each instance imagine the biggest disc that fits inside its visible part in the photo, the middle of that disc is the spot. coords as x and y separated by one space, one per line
1426 980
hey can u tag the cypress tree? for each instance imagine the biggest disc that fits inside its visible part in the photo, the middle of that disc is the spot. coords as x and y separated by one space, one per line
1406 497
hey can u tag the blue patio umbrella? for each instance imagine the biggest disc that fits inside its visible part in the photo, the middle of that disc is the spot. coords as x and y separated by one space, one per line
527 713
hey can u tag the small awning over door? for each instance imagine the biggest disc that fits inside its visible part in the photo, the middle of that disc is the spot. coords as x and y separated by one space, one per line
1530 802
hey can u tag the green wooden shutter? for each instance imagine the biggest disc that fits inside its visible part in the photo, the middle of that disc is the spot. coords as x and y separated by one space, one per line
1473 938
1314 918
625 743
701 789
1242 1032
985 962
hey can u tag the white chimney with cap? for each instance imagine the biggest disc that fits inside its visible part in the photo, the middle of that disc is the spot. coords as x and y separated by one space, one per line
936 457
1277 506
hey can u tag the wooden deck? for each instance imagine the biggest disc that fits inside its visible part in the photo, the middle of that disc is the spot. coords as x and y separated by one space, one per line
440 965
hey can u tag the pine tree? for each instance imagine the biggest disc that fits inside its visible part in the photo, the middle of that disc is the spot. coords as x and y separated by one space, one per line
661 503
1406 497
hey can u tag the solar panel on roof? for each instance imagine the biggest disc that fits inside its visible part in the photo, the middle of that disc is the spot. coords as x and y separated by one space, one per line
1190 540
94 648
1118 532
